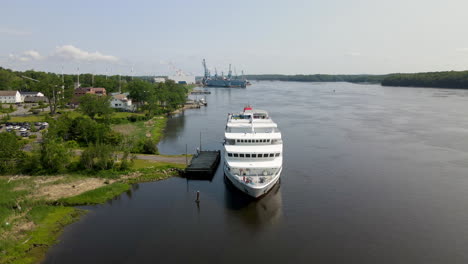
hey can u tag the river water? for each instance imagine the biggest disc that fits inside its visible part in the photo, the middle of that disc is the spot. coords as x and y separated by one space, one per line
371 174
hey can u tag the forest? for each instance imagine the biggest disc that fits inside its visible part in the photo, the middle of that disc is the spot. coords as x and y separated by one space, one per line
446 79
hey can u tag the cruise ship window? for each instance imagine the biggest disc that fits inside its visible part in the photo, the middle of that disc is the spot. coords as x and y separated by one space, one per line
272 155
229 154
254 155
247 155
249 141
277 155
236 155
260 155
241 155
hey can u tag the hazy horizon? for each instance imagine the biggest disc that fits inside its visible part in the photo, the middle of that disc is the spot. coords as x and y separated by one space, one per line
259 37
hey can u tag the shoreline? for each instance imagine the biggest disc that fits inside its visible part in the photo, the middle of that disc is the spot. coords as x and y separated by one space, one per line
34 210
39 216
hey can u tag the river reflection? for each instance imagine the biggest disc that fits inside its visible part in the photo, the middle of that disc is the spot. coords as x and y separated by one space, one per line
256 213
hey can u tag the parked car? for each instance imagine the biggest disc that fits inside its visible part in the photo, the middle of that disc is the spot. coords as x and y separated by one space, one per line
25 134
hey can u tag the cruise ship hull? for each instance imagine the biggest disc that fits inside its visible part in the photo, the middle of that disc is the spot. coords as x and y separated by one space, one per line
254 191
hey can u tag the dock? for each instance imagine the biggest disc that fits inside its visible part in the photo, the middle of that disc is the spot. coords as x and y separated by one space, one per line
200 92
203 164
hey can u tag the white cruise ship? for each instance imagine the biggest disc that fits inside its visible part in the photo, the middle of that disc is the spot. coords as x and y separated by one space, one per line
253 151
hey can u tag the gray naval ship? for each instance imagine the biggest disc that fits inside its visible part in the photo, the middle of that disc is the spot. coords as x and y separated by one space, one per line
223 81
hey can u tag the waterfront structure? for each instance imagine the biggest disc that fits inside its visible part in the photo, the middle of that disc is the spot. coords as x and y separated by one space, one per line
122 102
222 81
253 151
11 97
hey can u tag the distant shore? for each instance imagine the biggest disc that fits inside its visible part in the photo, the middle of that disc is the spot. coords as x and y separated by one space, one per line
445 79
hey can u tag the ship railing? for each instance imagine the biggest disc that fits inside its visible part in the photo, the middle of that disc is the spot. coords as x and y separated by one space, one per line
256 179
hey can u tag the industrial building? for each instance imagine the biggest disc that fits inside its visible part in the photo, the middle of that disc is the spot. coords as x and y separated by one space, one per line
182 79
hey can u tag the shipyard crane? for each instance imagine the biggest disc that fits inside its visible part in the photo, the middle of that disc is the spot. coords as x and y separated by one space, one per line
230 72
207 72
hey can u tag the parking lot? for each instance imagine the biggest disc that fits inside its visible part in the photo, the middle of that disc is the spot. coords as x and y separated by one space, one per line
24 129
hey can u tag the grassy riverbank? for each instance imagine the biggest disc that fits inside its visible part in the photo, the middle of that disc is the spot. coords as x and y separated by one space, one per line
35 209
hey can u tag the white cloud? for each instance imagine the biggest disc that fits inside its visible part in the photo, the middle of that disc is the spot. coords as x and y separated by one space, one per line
28 55
14 32
73 53
32 54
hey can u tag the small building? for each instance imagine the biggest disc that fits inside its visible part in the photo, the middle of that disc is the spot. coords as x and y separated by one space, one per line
10 97
159 79
32 94
87 90
35 99
122 102
182 79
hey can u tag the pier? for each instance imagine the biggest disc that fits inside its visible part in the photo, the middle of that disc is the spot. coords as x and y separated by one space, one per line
200 92
203 164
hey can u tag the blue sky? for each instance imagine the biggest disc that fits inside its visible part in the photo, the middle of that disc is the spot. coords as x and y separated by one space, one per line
290 37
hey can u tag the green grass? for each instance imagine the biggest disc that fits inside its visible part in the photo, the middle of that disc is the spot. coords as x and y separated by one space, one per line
96 196
156 165
158 128
49 221
125 114
29 118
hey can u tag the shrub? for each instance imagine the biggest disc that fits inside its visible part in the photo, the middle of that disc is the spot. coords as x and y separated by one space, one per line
149 147
98 157
32 136
54 156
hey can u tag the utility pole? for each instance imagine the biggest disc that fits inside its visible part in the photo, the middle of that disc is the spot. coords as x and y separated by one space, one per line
63 85
120 84
78 85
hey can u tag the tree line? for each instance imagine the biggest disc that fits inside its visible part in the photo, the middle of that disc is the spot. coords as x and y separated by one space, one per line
155 98
360 78
445 79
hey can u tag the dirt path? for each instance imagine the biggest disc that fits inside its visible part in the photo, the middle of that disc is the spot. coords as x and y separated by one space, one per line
173 159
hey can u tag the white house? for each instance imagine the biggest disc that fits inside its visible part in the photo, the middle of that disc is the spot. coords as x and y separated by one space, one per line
159 79
10 97
121 101
28 96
